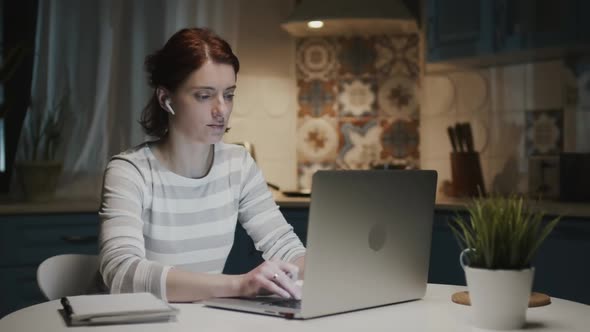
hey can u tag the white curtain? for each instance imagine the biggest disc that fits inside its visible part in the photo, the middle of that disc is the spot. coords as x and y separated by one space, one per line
93 52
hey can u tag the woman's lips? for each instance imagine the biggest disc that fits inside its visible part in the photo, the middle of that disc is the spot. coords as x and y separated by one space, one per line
216 126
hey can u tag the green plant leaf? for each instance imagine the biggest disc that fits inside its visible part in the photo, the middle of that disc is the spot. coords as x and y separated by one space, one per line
503 231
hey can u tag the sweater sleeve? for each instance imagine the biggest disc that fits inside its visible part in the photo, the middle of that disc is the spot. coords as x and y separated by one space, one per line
122 260
261 218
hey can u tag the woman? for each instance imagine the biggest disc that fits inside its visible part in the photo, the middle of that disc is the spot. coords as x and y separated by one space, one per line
170 207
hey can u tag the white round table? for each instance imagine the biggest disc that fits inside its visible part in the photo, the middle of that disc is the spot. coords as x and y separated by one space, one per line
435 312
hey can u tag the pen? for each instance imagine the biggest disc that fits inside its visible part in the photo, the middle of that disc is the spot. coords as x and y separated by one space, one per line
67 307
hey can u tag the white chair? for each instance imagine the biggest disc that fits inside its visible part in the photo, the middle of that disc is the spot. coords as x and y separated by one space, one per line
67 275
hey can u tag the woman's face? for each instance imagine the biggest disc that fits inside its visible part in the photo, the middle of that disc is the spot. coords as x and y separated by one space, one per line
203 103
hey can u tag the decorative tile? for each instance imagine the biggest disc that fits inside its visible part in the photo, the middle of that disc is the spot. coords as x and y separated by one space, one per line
357 57
400 139
398 98
305 173
316 59
359 102
357 98
361 144
397 55
317 140
317 98
544 132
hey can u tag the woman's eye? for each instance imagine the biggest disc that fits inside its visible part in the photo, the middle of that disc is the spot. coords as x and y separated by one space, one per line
202 97
229 96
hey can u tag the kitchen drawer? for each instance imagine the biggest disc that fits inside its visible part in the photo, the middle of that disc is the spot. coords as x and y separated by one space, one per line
28 240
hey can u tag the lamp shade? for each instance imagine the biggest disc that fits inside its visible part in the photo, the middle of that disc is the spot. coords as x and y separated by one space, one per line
349 17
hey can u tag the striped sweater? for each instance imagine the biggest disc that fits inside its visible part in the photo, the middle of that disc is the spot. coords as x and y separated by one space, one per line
153 219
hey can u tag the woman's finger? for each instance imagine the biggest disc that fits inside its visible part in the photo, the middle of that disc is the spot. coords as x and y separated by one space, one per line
274 288
285 282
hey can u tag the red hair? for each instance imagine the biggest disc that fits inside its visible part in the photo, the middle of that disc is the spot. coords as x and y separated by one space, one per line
186 51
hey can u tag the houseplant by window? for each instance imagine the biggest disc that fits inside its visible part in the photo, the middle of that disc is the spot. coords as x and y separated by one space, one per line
39 171
499 239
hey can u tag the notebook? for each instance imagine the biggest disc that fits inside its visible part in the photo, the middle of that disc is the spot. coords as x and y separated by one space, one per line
116 309
368 244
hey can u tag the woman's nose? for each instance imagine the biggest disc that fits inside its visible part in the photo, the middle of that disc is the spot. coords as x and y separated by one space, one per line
219 107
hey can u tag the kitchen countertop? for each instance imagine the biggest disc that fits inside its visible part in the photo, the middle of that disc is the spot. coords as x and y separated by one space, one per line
91 205
453 204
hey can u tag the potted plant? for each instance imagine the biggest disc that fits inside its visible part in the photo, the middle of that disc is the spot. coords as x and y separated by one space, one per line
40 170
499 239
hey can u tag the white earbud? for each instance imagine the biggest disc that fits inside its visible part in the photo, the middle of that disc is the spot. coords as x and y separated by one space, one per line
167 103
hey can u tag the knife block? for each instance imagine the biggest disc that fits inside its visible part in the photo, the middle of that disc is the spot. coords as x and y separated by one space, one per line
466 174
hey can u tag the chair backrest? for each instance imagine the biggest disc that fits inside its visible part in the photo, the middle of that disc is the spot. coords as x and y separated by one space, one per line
67 275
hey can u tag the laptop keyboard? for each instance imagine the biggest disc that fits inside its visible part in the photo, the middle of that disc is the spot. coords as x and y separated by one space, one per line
285 303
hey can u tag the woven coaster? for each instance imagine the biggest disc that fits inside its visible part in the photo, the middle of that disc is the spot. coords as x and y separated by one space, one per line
536 299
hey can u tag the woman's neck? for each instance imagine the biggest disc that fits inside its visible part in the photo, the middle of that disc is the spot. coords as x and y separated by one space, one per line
188 159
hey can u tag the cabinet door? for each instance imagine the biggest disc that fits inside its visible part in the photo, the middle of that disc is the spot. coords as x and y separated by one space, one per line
583 10
561 264
444 265
529 24
459 28
553 23
18 289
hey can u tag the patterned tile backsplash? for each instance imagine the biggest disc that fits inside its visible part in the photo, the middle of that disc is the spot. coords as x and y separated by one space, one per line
358 102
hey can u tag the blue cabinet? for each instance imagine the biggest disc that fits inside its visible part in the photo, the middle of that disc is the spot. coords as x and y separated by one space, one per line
27 240
472 28
534 24
458 28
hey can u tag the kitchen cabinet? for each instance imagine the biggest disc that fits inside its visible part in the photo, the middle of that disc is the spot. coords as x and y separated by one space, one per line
532 24
27 240
458 28
463 29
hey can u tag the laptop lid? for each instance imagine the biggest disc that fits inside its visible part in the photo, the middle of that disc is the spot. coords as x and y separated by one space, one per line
369 237
368 243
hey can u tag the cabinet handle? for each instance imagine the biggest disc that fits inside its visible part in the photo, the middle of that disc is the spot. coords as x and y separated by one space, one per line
79 239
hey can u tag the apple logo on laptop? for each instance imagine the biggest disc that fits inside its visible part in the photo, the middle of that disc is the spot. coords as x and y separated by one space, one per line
377 237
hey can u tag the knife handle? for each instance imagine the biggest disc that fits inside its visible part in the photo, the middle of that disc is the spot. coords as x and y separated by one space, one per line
451 133
459 135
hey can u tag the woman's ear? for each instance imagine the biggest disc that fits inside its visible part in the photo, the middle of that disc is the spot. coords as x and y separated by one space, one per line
164 100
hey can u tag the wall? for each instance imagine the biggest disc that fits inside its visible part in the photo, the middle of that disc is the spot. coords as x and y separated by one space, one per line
518 113
275 103
265 103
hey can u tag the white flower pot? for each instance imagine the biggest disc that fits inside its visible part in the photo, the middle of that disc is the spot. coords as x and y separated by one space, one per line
499 298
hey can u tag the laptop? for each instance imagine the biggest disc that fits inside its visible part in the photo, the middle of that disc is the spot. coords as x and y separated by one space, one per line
368 244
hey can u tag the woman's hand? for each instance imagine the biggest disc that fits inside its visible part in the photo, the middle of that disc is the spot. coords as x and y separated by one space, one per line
274 277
